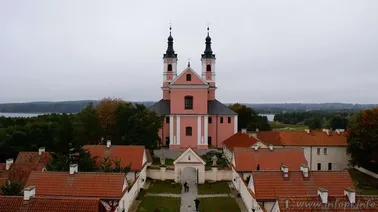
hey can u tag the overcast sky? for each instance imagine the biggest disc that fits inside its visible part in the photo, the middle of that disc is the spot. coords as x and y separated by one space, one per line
267 51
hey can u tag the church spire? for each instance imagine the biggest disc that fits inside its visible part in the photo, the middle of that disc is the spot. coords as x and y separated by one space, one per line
170 53
208 53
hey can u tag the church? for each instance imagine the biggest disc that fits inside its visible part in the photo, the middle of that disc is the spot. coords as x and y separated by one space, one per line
193 117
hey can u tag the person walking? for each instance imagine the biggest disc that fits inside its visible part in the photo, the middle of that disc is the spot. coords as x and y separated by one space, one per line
185 186
197 202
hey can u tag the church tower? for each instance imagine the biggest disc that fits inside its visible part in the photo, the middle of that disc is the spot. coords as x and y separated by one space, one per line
170 65
208 66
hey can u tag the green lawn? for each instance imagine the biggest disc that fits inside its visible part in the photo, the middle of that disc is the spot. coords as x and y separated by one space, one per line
365 184
218 204
164 204
164 187
213 188
287 127
168 161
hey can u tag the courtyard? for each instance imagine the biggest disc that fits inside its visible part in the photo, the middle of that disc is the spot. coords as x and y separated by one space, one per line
167 196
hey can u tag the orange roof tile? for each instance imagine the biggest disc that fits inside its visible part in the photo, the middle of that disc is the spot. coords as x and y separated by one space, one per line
19 172
247 159
335 203
32 157
302 138
38 204
269 185
80 184
239 139
127 154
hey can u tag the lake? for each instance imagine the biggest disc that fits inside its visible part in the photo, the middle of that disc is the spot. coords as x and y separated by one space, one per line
20 114
269 116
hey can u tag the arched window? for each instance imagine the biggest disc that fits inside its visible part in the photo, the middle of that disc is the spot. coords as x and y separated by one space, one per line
208 67
188 77
169 67
188 131
188 102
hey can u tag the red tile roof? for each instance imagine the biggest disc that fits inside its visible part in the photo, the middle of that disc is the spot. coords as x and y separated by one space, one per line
302 138
19 172
269 185
239 139
127 154
335 203
247 159
80 184
38 204
32 157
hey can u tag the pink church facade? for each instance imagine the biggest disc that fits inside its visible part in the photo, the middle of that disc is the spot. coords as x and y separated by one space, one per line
193 117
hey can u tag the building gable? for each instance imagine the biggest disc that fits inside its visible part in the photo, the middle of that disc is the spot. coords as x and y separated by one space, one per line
189 156
195 79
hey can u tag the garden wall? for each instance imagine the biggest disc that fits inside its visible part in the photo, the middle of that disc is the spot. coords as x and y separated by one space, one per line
370 173
218 175
161 174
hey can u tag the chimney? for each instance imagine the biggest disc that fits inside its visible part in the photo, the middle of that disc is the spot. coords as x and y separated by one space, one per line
244 130
74 168
270 147
29 192
285 171
108 143
323 193
351 195
326 131
8 163
41 150
307 131
304 169
338 131
256 147
257 130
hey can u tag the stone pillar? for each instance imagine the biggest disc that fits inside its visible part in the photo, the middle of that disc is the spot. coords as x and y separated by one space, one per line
162 172
215 171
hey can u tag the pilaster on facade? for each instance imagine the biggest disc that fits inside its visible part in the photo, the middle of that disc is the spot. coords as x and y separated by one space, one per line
199 130
178 129
171 130
205 128
235 124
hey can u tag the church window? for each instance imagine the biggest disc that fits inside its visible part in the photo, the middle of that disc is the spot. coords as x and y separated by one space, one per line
221 120
210 120
169 67
188 102
188 131
229 120
188 77
208 67
167 120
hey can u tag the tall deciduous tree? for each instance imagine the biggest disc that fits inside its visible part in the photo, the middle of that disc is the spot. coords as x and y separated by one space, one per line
249 119
338 122
363 139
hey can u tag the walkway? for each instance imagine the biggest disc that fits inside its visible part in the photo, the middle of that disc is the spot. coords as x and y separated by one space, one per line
187 198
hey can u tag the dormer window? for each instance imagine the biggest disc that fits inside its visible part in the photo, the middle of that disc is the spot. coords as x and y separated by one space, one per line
169 67
188 102
188 77
208 67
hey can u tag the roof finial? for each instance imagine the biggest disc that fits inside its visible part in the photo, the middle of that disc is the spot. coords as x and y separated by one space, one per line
170 28
208 28
188 62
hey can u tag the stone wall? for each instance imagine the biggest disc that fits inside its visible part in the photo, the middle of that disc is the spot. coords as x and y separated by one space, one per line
161 174
365 171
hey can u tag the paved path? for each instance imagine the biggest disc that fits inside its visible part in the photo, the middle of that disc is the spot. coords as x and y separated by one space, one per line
162 195
214 195
187 198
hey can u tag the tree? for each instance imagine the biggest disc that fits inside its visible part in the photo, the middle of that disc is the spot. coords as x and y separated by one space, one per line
363 139
249 119
107 117
338 122
109 165
61 161
314 123
12 188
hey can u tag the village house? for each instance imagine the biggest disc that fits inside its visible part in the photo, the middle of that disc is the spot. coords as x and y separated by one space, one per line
193 117
30 203
265 188
246 160
324 150
112 189
134 156
26 162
